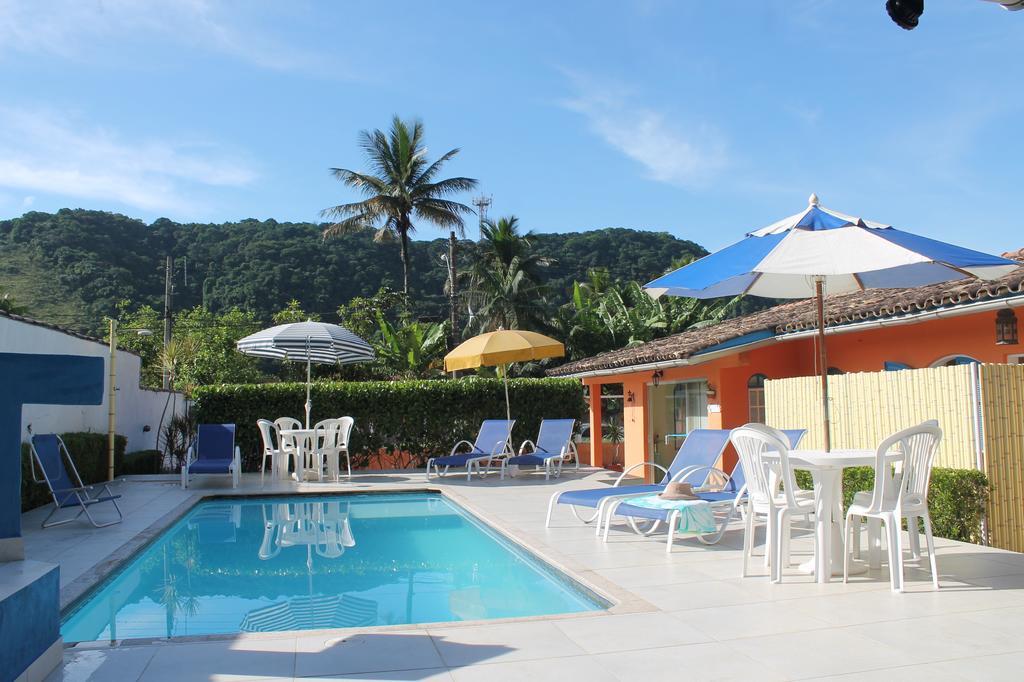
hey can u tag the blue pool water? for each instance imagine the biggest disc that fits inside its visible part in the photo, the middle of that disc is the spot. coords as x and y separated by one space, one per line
301 563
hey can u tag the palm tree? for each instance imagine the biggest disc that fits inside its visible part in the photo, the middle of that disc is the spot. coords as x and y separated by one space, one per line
400 186
506 278
500 242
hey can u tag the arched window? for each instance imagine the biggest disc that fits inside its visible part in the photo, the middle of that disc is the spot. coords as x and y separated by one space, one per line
755 398
951 360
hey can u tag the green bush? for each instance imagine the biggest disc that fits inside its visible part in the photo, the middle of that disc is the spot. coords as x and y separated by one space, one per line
424 418
89 451
140 462
956 498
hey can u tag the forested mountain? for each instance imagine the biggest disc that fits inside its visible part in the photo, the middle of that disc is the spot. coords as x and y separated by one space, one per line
74 266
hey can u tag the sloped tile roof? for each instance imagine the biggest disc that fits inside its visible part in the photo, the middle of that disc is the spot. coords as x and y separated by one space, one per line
789 317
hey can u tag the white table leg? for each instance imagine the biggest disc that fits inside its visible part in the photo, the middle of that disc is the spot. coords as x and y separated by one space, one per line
825 481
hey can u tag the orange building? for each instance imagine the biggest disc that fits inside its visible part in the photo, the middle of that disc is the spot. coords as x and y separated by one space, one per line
643 399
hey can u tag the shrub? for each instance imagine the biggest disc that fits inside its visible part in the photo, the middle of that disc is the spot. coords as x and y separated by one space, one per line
423 417
89 450
956 498
140 463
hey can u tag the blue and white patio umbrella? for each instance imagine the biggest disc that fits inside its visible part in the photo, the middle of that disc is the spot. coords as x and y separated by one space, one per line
819 250
309 342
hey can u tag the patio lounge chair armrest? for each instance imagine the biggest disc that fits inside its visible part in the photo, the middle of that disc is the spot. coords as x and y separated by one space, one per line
638 465
533 446
461 442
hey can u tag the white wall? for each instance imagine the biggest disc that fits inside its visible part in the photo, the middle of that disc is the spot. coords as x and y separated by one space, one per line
136 407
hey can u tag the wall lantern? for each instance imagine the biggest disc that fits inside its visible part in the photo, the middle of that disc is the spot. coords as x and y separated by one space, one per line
630 397
656 377
1006 328
711 391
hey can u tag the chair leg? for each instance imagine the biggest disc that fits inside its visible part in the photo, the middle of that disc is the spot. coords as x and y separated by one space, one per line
893 531
748 540
849 528
874 542
915 537
929 539
786 531
608 518
778 558
551 508
673 521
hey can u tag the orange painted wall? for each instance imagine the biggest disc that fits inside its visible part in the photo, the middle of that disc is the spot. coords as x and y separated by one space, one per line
918 345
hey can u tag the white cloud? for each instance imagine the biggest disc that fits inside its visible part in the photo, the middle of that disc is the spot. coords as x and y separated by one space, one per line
70 27
28 201
672 150
45 153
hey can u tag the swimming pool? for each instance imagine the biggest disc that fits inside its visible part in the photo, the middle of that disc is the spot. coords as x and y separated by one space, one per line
301 563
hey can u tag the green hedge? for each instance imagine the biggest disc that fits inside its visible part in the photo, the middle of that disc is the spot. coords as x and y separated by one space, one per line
424 418
956 498
89 451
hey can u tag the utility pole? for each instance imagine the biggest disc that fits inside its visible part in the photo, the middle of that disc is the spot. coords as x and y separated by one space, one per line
482 203
168 287
111 401
452 293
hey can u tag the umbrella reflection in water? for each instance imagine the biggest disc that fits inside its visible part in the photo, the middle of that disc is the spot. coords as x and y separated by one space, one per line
323 528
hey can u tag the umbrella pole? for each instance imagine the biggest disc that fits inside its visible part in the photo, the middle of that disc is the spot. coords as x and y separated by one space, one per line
819 293
508 407
309 404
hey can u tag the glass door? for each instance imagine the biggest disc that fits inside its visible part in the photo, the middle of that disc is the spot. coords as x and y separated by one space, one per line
676 409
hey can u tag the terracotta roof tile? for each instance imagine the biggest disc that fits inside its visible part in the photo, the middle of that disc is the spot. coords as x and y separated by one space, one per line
798 315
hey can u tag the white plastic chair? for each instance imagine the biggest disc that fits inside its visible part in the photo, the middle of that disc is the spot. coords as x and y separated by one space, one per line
752 443
344 433
287 443
325 445
903 469
271 447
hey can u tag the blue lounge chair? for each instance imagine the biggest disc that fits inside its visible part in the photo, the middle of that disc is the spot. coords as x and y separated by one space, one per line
729 498
213 452
700 450
552 447
67 492
493 442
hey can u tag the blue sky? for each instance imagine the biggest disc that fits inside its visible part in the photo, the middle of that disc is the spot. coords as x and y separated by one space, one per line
704 119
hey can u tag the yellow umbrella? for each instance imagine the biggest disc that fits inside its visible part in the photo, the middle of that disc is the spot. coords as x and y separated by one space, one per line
498 349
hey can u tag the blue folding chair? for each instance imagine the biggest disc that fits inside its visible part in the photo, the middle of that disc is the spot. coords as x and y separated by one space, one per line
213 452
553 446
67 492
729 497
700 450
493 442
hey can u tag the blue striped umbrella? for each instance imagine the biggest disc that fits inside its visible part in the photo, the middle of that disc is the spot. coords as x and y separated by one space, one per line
818 250
309 342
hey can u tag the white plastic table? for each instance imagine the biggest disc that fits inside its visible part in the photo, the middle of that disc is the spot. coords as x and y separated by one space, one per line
827 470
303 441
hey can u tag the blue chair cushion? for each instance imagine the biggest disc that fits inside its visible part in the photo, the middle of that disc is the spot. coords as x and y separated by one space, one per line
594 496
210 466
537 459
458 460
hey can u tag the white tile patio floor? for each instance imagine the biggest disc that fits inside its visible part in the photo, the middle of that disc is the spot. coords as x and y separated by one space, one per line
685 615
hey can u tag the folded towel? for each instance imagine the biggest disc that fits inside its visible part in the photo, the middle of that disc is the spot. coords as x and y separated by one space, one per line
695 515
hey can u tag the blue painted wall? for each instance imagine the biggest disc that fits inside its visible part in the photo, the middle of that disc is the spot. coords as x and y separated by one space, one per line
40 380
29 624
30 618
